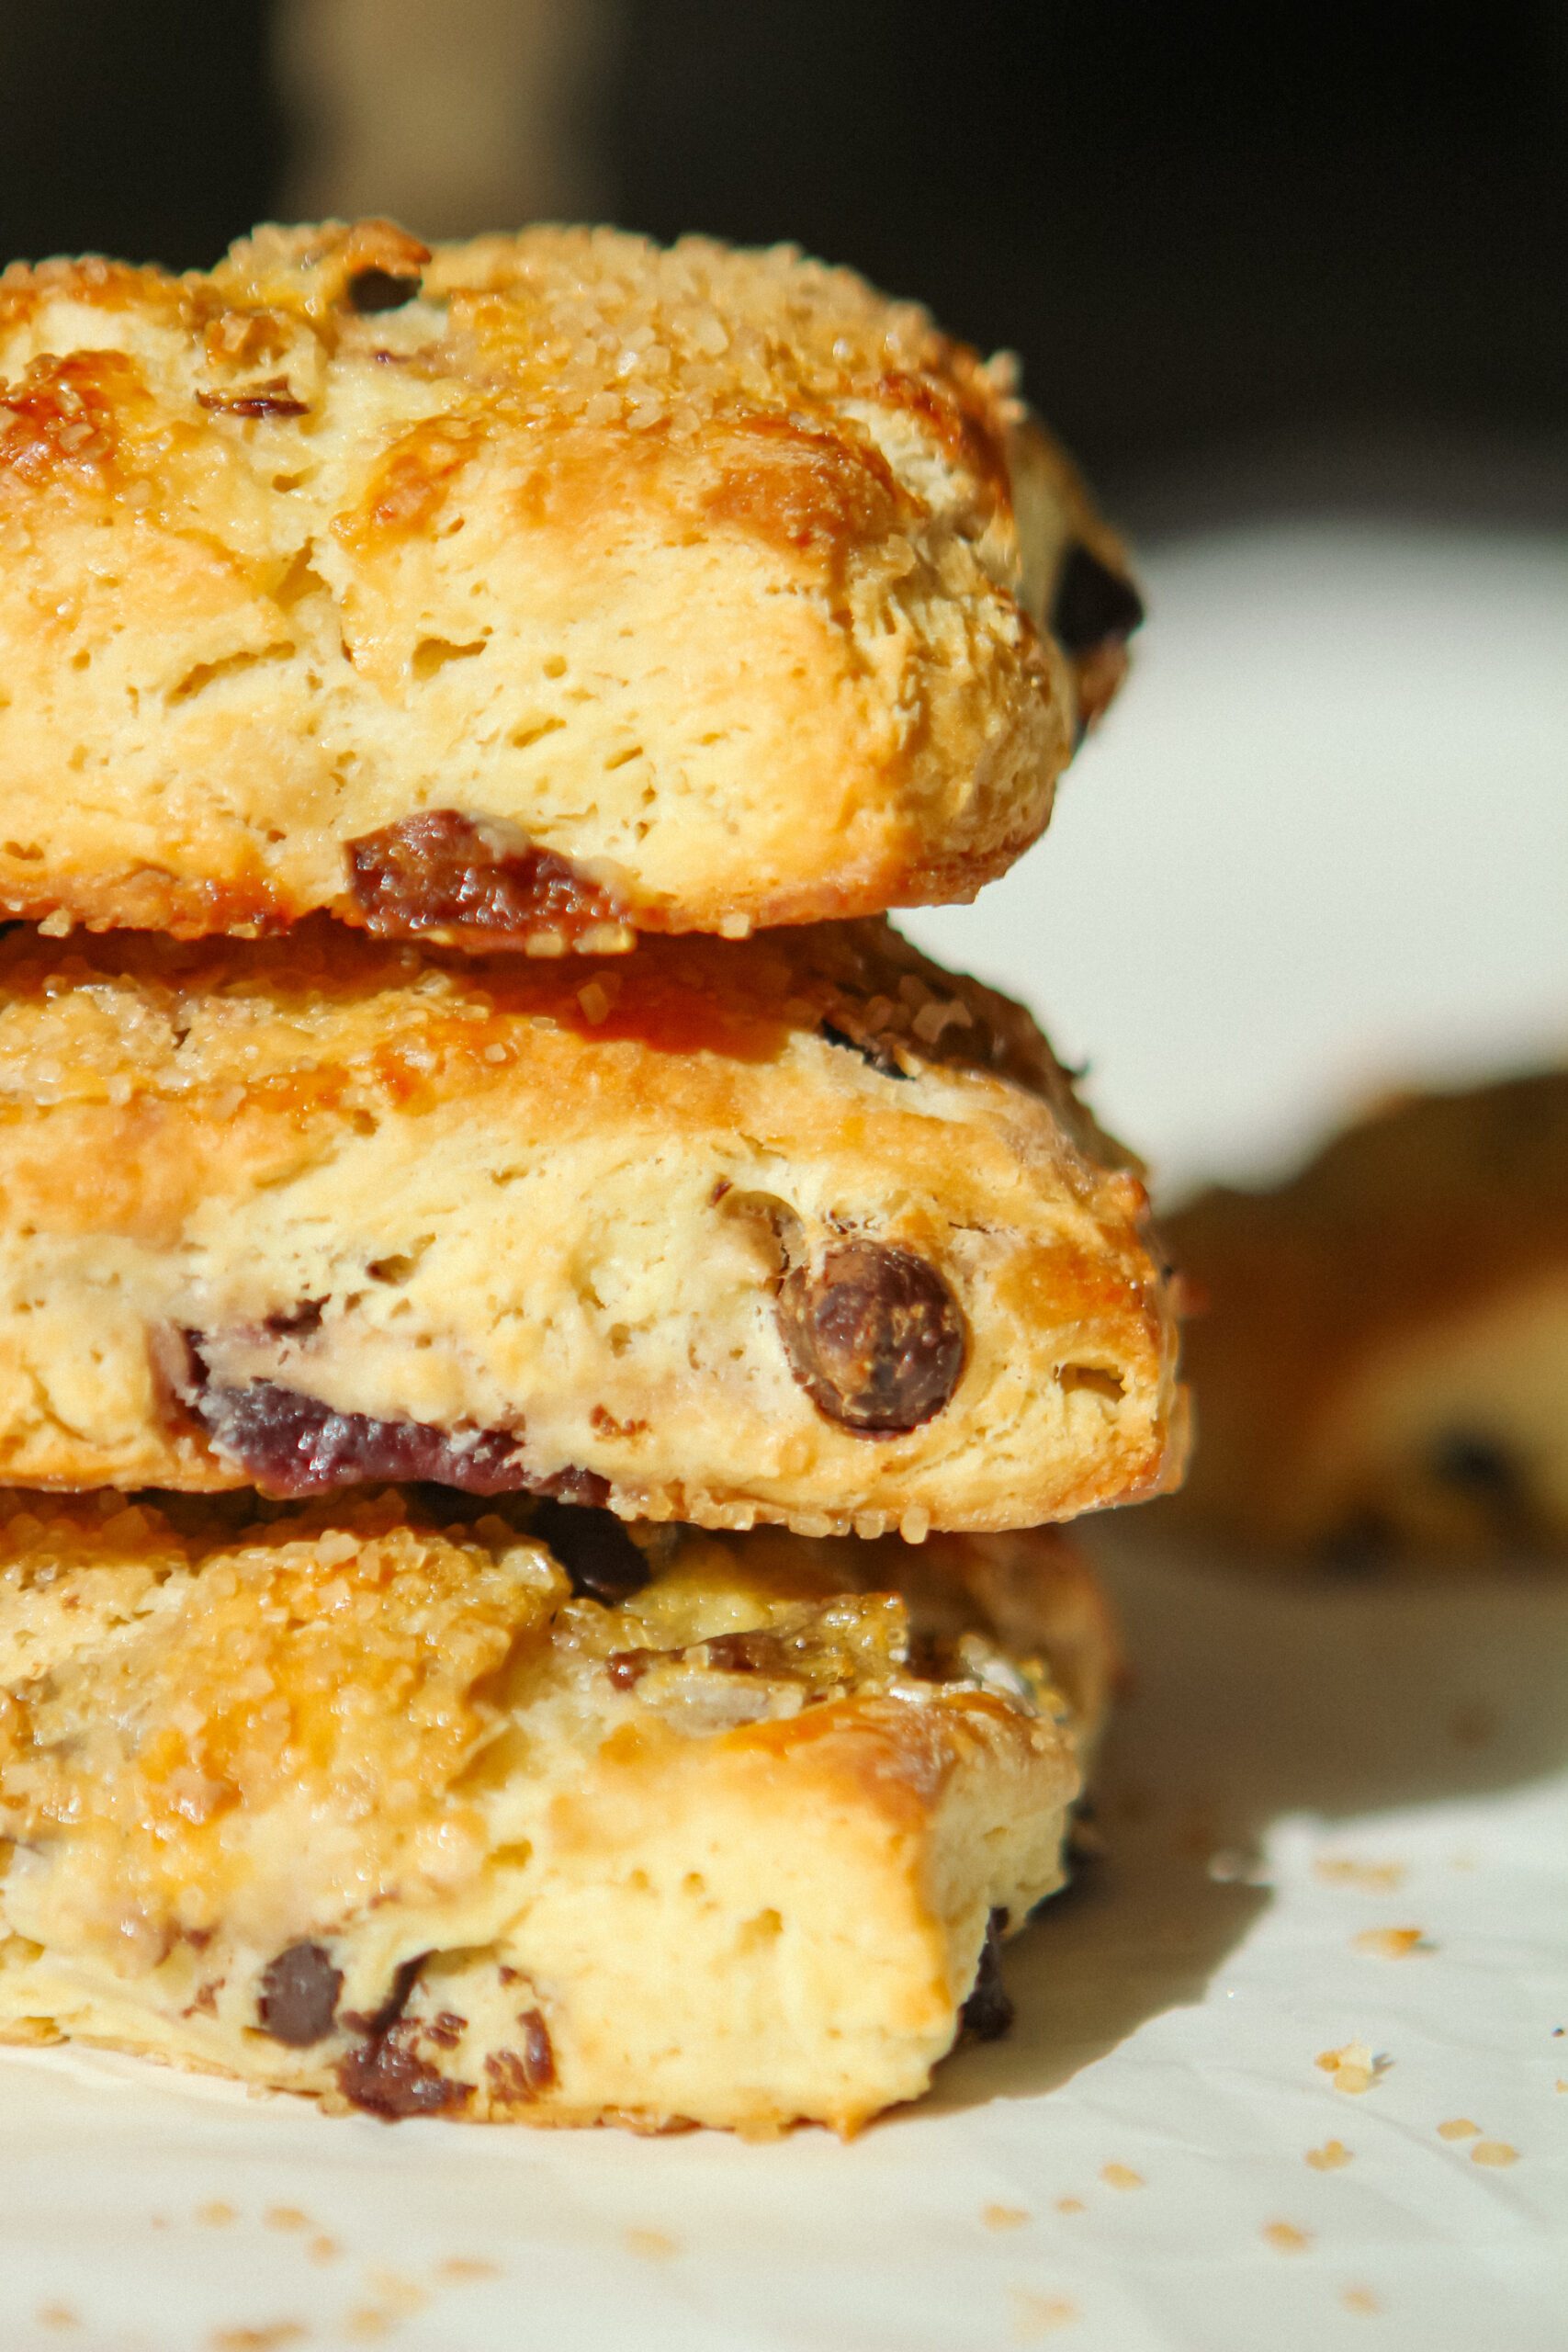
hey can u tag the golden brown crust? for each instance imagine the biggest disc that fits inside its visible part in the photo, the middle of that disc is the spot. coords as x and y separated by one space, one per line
799 1228
703 572
1380 1366
425 1816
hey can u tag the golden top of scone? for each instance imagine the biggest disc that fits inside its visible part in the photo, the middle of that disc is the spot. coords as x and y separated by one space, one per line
740 589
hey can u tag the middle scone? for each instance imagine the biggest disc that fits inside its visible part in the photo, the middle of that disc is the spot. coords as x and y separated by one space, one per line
799 1229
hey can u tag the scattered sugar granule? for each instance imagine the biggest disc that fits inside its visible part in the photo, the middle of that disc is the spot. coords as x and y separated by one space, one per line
594 1002
1459 2127
1037 2315
654 2245
1285 2238
1359 2299
1354 2068
1329 2157
1391 1943
287 2217
1344 1869
1121 2177
1497 2153
1003 2217
395 2292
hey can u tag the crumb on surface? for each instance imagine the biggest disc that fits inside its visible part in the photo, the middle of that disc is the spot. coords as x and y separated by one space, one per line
1359 2299
1003 2217
654 2245
1354 2068
395 2291
1391 1943
1121 2177
1497 2153
217 2215
1459 2127
323 2249
1346 1870
459 2270
1329 2157
287 2217
270 2338
1285 2238
1036 2315
1070 2205
57 2315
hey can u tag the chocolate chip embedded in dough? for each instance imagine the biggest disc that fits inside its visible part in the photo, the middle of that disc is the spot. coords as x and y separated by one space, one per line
389 2078
299 1996
373 290
874 1335
987 2014
1094 605
594 1548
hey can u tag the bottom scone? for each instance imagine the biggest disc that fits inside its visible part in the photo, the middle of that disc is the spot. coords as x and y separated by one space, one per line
528 1816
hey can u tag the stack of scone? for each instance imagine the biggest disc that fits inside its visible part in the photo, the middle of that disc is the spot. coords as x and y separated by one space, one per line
540 1345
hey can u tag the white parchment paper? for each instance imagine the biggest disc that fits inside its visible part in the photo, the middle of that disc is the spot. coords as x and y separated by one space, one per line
1155 2162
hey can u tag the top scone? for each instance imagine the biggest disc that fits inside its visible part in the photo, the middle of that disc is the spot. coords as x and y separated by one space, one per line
530 591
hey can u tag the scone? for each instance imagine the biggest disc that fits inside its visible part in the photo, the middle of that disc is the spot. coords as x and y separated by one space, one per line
536 590
1383 1369
795 1230
564 1823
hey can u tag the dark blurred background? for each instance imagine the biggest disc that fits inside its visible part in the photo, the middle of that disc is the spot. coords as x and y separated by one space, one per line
1315 252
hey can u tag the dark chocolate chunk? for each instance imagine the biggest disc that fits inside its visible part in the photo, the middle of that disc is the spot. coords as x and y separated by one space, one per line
539 2051
387 2076
291 1444
874 1056
443 871
594 1548
1477 1464
373 290
516 2076
299 1996
1094 605
1361 1546
987 2014
1492 1479
874 1335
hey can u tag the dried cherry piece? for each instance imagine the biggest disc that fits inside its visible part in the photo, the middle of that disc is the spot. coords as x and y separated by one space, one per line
444 871
874 1335
291 1444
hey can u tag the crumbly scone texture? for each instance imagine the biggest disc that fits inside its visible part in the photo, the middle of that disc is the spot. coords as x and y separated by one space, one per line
532 1821
797 1230
1380 1361
677 589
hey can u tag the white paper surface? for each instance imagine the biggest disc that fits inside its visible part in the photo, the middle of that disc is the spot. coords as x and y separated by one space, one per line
1295 1769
